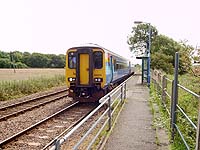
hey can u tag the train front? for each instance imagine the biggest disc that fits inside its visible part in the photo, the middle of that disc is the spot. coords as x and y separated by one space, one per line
85 73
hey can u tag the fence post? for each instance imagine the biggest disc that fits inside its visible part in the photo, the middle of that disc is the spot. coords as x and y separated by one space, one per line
109 113
57 144
174 95
198 128
124 91
158 82
142 71
164 88
153 78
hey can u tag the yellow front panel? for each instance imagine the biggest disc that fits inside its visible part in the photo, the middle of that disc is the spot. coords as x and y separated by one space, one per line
100 73
84 69
69 72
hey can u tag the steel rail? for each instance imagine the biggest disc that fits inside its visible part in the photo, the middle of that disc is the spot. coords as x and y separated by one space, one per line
62 140
66 130
30 100
32 107
182 137
36 124
168 94
92 127
186 116
168 79
189 91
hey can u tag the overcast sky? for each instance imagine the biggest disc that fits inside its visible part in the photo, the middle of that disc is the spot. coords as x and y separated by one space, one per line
53 26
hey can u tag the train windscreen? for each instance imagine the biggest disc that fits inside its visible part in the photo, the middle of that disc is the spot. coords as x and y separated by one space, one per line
72 60
98 60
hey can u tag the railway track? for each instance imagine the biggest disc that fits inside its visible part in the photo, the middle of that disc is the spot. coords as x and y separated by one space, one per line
43 133
21 107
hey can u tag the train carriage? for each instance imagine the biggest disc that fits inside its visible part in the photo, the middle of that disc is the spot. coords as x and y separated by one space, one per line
92 71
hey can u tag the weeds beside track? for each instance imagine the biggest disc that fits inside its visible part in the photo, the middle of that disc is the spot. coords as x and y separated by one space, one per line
18 88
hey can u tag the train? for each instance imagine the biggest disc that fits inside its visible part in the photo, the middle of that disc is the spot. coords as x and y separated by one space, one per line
92 71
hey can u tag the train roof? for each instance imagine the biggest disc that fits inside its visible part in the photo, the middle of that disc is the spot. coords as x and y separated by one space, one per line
92 45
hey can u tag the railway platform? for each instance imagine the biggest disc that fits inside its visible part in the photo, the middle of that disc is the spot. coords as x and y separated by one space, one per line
133 130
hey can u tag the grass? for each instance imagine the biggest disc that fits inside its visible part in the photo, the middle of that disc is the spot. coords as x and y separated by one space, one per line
18 88
189 104
160 116
25 74
28 81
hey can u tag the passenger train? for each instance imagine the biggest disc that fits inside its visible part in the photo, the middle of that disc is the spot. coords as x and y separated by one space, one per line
92 71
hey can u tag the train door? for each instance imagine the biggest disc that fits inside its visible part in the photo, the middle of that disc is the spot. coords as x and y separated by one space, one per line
84 69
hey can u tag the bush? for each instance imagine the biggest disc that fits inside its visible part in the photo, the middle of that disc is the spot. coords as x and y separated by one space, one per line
165 62
5 63
20 65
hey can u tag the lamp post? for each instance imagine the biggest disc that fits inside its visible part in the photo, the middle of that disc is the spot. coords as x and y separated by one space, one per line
148 50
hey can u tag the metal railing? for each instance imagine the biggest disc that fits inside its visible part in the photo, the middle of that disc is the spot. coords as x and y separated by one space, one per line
171 105
113 99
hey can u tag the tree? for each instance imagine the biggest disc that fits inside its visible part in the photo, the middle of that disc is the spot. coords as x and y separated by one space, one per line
25 58
5 63
35 60
139 38
4 55
185 60
20 65
56 61
196 55
38 60
163 49
17 56
63 60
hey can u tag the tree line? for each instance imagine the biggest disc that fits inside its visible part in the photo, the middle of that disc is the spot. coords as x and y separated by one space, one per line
18 59
163 49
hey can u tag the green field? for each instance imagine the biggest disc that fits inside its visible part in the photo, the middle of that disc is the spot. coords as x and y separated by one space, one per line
24 74
27 81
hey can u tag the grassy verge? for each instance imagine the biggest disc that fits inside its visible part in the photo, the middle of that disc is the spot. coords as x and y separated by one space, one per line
18 88
161 119
189 104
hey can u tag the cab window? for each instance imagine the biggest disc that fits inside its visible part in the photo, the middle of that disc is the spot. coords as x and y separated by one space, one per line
98 60
71 60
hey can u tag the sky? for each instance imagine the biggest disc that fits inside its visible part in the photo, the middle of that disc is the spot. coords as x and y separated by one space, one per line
53 26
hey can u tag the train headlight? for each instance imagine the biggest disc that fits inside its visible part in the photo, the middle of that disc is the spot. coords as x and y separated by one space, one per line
71 79
98 80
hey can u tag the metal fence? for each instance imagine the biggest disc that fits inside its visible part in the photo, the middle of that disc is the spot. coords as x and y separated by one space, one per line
113 99
169 91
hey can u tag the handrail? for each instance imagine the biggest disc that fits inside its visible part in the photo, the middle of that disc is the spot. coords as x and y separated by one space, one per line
172 112
182 137
103 101
189 91
181 110
168 79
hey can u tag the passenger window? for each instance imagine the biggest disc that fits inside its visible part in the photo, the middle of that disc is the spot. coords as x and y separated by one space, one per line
71 60
98 60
